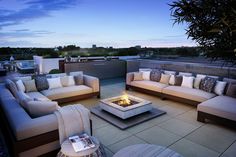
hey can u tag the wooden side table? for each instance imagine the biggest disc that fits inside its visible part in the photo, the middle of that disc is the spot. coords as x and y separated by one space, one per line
68 151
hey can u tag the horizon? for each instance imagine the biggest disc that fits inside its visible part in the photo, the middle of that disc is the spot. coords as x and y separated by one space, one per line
120 24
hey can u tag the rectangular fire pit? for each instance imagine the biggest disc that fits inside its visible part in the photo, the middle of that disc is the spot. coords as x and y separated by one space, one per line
125 106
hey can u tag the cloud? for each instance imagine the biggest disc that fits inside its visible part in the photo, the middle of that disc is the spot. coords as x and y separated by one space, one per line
33 9
24 33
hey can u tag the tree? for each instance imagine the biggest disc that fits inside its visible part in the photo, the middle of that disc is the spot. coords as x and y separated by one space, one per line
211 23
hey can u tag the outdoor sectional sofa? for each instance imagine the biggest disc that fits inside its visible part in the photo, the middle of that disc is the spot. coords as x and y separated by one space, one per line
29 136
210 106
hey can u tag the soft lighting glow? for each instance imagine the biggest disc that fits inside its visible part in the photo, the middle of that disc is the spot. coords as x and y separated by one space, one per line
124 100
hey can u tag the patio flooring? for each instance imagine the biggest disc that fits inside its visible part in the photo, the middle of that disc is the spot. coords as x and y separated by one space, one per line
178 129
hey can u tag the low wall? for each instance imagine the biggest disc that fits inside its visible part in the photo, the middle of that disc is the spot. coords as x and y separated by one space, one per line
197 68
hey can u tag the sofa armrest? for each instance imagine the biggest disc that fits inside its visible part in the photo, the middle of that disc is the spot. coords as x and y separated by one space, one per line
129 78
92 82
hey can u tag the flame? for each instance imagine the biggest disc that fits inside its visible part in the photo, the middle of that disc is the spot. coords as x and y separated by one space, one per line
124 100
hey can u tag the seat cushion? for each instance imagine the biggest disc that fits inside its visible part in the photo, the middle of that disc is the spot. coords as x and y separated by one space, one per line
222 106
37 96
65 92
150 85
188 93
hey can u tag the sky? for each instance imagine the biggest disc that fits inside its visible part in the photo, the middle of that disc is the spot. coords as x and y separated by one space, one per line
116 23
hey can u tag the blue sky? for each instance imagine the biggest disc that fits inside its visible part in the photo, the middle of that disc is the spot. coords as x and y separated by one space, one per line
117 23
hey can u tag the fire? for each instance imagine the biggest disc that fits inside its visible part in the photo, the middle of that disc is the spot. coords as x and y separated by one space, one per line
124 100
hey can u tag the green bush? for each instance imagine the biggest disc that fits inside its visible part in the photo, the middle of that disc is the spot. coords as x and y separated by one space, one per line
55 71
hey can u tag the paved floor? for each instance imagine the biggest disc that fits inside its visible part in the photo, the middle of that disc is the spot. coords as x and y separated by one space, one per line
178 129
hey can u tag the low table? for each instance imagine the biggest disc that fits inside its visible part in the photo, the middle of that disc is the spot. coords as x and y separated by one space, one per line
146 150
136 106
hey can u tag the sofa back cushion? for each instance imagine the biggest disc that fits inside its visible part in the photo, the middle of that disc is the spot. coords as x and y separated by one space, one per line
67 81
155 75
41 82
207 84
231 91
30 86
12 87
178 80
54 82
75 73
172 80
185 74
170 72
220 87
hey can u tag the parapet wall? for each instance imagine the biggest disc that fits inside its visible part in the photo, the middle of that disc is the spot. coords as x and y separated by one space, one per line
197 68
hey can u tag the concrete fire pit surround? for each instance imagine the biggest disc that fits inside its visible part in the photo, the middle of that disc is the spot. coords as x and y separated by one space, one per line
125 112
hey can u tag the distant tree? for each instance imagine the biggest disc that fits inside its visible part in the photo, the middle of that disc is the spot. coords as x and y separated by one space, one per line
211 23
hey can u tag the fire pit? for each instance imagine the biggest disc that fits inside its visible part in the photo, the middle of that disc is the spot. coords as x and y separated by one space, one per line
125 106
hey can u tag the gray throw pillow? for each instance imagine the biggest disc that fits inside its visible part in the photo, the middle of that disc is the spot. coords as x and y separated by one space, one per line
155 75
12 87
178 80
207 84
231 91
41 82
79 79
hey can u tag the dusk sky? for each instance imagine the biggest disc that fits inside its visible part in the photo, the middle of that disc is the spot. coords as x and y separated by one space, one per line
117 23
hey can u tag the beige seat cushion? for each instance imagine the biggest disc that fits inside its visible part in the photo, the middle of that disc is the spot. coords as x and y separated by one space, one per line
38 96
150 85
65 92
188 93
222 106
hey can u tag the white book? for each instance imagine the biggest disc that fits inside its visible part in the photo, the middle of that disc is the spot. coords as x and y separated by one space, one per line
81 142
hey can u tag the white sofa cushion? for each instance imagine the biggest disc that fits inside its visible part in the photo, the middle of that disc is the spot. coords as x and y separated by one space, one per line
185 74
188 93
170 72
222 106
220 87
165 78
54 83
150 85
146 75
187 82
172 80
65 92
30 86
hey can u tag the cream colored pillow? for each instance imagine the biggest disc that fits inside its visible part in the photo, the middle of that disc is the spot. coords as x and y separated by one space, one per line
41 108
220 87
165 78
30 86
170 72
67 81
185 74
172 80
198 80
54 83
138 76
187 82
20 85
146 75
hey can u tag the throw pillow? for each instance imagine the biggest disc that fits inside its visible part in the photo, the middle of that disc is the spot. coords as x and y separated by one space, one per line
20 85
79 79
155 75
220 87
187 82
67 81
54 82
178 80
138 76
165 78
200 76
185 74
231 91
41 82
172 80
12 87
207 84
23 78
197 82
144 69
146 75
30 86
41 108
170 72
